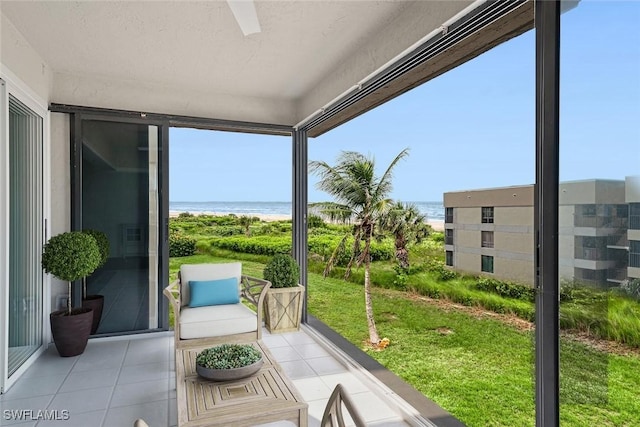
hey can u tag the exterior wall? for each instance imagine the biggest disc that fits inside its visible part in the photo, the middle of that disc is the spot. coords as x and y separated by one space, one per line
60 188
577 230
632 195
632 189
597 191
19 60
512 232
592 230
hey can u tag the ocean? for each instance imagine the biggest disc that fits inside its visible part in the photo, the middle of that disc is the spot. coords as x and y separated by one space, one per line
433 210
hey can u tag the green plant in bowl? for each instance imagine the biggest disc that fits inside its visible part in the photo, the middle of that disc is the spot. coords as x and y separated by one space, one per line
227 362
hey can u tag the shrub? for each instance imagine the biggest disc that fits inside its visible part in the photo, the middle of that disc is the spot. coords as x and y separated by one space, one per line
436 266
631 288
282 271
103 244
71 256
185 215
437 236
180 245
400 281
506 289
314 221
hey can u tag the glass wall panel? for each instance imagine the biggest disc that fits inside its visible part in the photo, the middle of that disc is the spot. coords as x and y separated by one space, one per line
25 234
467 343
119 198
599 185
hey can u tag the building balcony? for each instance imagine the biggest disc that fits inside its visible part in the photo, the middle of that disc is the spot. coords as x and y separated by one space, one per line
120 379
616 275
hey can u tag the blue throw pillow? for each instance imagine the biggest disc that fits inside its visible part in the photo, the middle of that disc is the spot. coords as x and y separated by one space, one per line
213 292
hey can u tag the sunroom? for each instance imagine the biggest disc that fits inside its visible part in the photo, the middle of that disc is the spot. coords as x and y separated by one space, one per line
90 90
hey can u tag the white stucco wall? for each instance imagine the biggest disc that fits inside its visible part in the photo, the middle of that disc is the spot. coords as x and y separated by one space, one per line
19 60
60 185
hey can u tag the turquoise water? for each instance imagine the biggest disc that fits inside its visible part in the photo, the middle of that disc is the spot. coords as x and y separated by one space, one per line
433 210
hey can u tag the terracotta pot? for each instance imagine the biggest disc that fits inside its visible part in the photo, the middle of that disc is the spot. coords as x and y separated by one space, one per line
71 333
95 303
229 374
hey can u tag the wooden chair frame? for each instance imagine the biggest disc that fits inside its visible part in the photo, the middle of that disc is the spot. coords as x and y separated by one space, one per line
253 290
333 417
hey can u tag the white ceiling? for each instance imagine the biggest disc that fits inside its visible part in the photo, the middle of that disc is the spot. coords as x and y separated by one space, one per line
307 53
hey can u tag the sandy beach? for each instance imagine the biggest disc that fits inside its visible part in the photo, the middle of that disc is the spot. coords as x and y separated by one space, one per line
435 224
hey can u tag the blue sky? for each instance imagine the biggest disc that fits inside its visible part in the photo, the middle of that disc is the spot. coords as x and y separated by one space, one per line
473 127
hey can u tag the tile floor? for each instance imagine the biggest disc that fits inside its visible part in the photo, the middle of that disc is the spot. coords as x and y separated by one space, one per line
117 380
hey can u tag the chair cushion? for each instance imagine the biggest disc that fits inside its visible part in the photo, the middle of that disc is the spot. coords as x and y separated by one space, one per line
216 320
193 272
213 292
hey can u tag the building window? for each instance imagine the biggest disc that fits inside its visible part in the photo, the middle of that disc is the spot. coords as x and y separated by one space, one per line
448 236
487 215
634 253
448 215
487 264
634 216
487 239
448 258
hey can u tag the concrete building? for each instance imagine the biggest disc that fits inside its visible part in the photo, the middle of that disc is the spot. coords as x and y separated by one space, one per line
490 231
632 196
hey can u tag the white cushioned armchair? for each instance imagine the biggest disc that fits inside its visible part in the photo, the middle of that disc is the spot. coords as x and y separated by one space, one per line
207 300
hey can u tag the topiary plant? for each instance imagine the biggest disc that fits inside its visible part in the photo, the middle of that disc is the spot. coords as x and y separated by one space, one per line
103 246
70 256
228 356
282 271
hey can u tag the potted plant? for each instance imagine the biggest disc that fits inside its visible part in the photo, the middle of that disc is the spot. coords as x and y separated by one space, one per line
96 302
70 256
283 302
228 362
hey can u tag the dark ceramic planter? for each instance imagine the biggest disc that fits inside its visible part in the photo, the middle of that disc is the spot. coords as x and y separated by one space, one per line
71 333
229 374
95 303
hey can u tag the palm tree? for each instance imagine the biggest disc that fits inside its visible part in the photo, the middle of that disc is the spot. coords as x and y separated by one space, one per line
361 198
407 225
246 221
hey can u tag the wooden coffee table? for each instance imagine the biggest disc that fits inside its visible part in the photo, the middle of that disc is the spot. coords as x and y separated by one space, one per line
263 397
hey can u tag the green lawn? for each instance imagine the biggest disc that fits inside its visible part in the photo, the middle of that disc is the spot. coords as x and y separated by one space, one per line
479 369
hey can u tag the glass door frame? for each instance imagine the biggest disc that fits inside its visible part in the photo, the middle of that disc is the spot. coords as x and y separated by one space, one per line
12 85
75 151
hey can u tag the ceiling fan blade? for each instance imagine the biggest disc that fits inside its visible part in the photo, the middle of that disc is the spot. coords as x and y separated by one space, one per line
245 13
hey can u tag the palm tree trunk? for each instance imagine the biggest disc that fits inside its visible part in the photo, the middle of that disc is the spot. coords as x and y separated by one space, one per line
374 339
402 254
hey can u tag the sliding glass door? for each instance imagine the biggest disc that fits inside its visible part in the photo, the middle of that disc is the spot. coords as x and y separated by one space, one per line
21 294
118 192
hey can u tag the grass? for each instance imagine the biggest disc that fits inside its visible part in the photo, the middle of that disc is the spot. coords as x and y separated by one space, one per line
477 368
480 370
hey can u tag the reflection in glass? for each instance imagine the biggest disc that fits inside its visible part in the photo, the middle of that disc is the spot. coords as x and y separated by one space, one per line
25 233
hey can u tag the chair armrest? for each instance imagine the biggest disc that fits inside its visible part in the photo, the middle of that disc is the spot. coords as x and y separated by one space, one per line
254 290
170 293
